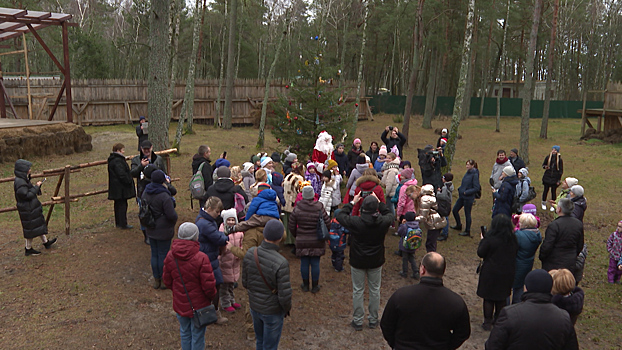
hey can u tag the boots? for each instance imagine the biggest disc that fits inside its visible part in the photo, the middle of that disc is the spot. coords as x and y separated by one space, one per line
146 238
487 325
221 319
305 285
157 283
316 287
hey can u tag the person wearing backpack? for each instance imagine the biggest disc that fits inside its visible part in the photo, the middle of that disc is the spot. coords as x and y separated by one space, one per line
202 157
225 189
409 233
160 202
522 189
365 185
443 198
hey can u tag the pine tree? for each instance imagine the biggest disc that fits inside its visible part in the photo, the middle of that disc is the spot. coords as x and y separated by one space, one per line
313 103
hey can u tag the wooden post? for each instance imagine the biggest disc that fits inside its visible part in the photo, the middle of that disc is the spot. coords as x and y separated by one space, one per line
2 103
27 76
67 200
60 181
583 116
67 76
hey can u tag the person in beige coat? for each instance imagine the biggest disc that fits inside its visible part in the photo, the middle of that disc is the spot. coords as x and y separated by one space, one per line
389 178
291 188
428 216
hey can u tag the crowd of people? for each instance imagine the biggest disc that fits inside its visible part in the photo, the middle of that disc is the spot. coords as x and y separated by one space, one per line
249 211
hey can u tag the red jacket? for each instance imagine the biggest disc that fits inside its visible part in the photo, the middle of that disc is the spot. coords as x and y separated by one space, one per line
367 183
196 271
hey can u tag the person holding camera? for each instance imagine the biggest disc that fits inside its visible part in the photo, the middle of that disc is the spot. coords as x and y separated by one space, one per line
395 138
431 160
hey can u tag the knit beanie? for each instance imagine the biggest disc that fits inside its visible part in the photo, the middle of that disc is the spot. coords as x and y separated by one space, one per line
229 213
571 181
255 158
361 159
529 209
310 165
221 162
383 150
273 231
158 177
148 170
524 171
265 161
410 216
247 166
276 157
370 204
509 170
557 148
291 157
223 172
539 281
577 190
448 177
262 186
327 174
444 131
407 173
307 192
188 231
356 140
405 163
514 150
331 164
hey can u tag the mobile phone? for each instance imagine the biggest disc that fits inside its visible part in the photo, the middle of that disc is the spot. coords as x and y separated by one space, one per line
224 154
44 179
483 230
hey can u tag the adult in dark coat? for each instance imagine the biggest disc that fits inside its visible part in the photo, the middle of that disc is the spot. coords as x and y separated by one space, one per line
395 138
303 225
225 189
139 162
354 153
466 197
536 323
498 250
431 161
504 196
441 316
517 162
340 156
162 207
563 239
120 185
29 208
553 166
367 234
373 152
202 157
141 131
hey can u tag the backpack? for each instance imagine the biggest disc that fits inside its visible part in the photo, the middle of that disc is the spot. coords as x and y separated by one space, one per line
412 239
367 193
145 215
197 184
240 203
444 206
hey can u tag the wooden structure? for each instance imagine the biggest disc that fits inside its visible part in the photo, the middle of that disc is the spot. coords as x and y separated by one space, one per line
611 113
116 101
17 22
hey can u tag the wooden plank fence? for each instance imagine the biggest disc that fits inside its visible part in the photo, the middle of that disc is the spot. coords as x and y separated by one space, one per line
116 101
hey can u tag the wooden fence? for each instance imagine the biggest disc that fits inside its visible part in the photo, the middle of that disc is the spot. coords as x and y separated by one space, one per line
99 102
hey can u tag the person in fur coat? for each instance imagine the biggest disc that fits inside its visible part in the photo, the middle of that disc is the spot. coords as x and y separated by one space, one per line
425 207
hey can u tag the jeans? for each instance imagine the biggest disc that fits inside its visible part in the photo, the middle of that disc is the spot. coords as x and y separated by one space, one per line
374 277
159 249
468 205
517 294
406 259
192 338
268 330
314 261
120 212
445 231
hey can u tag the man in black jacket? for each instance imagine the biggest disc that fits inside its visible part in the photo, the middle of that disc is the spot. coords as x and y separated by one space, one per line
266 278
563 240
517 162
366 253
536 323
202 157
426 315
225 189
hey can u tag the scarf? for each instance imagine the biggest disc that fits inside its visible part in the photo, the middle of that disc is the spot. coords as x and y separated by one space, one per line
357 150
505 159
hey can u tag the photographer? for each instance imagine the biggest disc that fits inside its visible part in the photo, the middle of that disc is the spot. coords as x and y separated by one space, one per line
396 138
431 160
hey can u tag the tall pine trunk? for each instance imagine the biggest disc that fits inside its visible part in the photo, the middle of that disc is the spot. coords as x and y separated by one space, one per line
222 69
359 81
174 39
430 95
158 92
549 73
233 16
413 73
528 88
450 149
500 71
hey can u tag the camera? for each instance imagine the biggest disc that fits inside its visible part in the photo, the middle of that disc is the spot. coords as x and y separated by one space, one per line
390 128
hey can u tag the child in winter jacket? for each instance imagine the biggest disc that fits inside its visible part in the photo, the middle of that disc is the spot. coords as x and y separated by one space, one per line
229 263
614 247
446 193
328 187
337 243
314 178
338 179
408 255
264 203
429 216
404 202
566 295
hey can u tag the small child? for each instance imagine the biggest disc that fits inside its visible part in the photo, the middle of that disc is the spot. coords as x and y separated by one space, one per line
408 255
328 187
312 176
527 209
229 263
446 192
337 242
336 176
566 295
264 203
614 247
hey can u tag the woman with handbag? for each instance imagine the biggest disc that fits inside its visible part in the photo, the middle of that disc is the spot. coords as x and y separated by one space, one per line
303 224
188 273
468 191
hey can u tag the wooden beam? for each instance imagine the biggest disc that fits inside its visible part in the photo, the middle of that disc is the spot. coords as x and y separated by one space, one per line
583 116
60 181
67 72
27 76
60 94
67 200
47 49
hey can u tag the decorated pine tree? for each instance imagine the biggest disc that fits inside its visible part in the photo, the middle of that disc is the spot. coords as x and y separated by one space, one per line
313 103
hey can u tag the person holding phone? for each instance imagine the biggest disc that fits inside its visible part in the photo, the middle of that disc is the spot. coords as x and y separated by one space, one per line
29 207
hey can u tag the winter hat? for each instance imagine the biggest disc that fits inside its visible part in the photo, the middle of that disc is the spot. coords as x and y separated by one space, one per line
311 165
444 131
405 163
307 192
370 204
327 174
557 148
443 140
229 213
331 164
514 150
247 166
367 159
265 161
223 172
361 159
221 162
276 157
262 186
410 216
571 181
577 190
142 117
146 144
529 209
148 170
188 231
539 281
383 150
509 170
524 171
158 177
340 144
355 140
407 173
273 231
254 159
448 177
291 157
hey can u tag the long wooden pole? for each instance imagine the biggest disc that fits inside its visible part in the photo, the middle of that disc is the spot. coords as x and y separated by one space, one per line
67 74
60 181
27 76
67 200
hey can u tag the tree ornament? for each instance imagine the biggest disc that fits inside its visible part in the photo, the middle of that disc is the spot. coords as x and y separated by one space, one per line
287 86
290 103
317 37
356 105
295 118
287 115
278 140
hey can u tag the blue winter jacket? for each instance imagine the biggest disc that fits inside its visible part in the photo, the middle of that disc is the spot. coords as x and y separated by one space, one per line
264 204
504 197
528 242
210 240
469 185
403 231
277 186
378 166
338 234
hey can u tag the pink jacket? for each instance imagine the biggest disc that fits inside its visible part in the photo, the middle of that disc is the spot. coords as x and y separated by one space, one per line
229 263
405 203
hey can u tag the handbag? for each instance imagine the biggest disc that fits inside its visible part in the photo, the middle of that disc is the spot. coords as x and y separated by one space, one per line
479 267
273 290
202 317
322 230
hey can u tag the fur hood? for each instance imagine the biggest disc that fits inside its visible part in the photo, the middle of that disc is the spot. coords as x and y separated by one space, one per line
366 178
427 190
